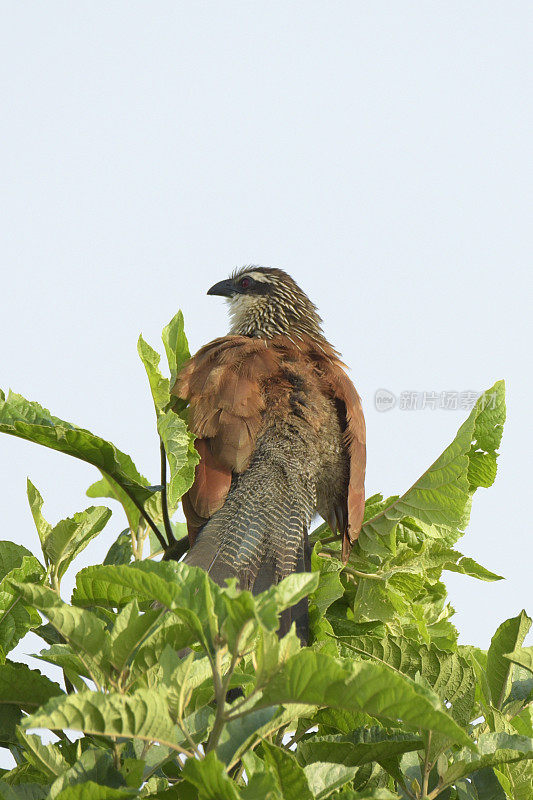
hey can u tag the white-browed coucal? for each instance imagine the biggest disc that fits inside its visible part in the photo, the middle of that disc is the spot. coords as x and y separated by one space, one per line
280 432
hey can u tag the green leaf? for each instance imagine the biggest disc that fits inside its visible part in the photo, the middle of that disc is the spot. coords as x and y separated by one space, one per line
94 791
16 557
357 748
439 501
448 674
325 778
288 592
159 385
523 722
317 679
30 421
492 749
183 676
25 687
121 551
241 608
243 733
178 441
46 758
36 503
467 566
22 791
261 786
141 715
189 592
115 585
270 652
107 487
176 345
184 590
329 590
290 778
517 779
210 778
92 765
523 656
10 716
82 629
169 633
488 431
376 794
17 563
133 770
181 455
62 655
129 631
487 785
69 537
507 638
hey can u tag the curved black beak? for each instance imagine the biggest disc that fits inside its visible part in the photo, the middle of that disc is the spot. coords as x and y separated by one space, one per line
223 288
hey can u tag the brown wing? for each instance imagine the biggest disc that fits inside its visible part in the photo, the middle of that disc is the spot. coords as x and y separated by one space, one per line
222 384
340 387
355 438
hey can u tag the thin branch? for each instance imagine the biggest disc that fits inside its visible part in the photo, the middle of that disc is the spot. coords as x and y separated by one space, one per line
220 701
149 520
164 500
176 550
295 739
372 575
236 714
56 583
144 514
407 791
221 686
347 568
336 538
184 729
427 768
10 608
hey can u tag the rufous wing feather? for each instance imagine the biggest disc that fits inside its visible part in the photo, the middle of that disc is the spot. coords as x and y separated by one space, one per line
222 384
350 517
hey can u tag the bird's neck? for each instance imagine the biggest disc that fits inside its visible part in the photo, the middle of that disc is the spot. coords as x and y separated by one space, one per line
261 320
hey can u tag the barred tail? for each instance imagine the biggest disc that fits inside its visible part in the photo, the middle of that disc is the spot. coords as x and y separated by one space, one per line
258 534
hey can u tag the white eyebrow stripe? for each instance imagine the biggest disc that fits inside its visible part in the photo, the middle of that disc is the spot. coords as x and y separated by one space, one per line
257 276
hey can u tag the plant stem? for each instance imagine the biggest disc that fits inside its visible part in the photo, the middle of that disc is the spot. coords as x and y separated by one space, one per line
116 753
427 769
149 520
221 687
177 549
183 728
350 570
407 791
372 576
55 582
220 700
164 500
295 739
329 539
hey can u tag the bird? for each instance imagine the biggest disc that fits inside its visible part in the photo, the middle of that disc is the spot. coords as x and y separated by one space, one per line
280 431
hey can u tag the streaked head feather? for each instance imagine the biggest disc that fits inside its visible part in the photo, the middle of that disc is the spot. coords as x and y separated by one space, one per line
282 308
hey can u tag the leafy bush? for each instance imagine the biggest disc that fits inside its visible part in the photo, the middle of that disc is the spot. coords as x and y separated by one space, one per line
383 703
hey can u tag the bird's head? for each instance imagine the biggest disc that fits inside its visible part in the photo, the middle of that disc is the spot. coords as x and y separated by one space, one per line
265 302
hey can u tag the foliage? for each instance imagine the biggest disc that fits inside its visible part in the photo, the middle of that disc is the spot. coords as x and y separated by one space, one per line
182 689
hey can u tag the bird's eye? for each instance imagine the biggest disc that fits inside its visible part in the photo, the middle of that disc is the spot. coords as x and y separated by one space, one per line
245 283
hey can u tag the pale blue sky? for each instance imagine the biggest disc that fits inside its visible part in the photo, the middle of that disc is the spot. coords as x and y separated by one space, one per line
378 151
